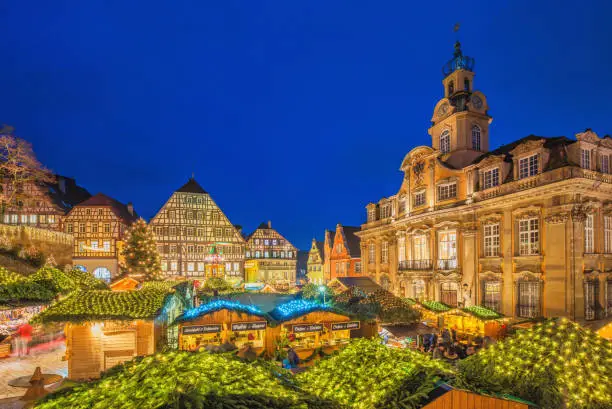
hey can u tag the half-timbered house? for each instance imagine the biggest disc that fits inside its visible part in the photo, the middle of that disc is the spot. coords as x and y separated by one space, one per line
193 234
271 258
98 226
41 204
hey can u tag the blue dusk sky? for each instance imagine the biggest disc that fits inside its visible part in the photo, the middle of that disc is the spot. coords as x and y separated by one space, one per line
299 112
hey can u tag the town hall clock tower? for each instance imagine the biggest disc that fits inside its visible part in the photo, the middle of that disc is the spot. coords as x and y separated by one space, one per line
460 122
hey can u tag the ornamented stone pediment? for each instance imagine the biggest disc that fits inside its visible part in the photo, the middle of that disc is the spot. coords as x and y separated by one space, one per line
557 218
491 273
454 275
449 224
527 147
588 136
490 218
490 161
526 212
591 274
420 229
606 142
416 155
528 266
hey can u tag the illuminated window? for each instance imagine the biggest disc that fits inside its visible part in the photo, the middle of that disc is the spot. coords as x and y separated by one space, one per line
585 158
81 227
492 295
102 273
491 240
401 244
69 228
528 299
257 254
448 293
190 231
529 237
447 191
164 266
94 244
445 142
173 266
491 178
447 250
14 219
476 137
419 199
107 227
385 211
43 218
372 253
274 242
266 242
588 234
384 252
190 267
173 231
94 228
419 244
608 234
266 254
528 166
605 164
372 214
200 266
290 254
190 249
33 219
51 218
106 245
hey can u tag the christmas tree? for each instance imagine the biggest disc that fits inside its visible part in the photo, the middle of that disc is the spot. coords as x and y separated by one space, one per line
140 252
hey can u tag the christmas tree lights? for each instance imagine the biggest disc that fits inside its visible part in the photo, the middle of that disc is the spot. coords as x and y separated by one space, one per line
140 252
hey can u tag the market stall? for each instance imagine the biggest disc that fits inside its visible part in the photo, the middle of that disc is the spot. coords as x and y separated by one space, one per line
475 321
11 318
311 328
220 322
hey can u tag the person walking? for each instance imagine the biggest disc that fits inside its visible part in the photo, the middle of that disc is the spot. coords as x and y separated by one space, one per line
24 336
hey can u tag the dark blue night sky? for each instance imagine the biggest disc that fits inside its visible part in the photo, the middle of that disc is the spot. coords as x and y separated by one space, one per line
296 111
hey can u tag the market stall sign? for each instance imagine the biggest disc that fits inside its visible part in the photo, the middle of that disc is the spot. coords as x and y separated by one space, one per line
308 328
249 326
339 326
202 329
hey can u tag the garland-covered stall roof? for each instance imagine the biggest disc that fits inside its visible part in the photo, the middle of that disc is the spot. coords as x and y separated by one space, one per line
99 305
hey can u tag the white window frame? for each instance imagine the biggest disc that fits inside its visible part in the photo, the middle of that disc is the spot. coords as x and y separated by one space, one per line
385 210
585 158
528 166
491 239
384 252
490 178
419 245
419 199
447 245
372 214
605 163
401 252
589 234
447 191
608 234
529 236
372 253
445 142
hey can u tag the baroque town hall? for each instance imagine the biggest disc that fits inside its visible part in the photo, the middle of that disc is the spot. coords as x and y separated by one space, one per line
525 229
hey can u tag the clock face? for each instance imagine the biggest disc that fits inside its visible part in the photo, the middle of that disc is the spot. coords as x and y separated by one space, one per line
443 109
476 102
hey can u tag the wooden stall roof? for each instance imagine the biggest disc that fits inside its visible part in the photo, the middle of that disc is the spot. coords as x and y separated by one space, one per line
446 397
299 307
124 284
218 305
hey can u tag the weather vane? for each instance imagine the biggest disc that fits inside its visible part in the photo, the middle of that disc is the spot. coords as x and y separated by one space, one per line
456 30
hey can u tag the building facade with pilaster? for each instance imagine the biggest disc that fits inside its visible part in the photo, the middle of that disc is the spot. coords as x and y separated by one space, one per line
525 229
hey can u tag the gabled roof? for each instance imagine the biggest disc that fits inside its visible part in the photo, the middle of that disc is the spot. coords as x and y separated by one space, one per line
352 241
549 143
191 187
366 284
118 208
65 193
320 246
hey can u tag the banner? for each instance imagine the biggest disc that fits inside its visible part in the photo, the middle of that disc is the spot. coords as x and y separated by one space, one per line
249 326
202 329
308 328
339 326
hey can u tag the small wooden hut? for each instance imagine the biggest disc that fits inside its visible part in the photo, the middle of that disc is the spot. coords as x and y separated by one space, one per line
447 397
104 328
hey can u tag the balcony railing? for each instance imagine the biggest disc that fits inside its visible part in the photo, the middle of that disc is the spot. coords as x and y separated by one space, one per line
447 264
406 265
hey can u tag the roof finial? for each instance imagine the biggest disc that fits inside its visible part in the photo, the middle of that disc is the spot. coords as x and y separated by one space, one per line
192 175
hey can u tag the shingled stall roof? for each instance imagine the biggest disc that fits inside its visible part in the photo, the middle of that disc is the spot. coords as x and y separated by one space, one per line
192 187
100 305
118 208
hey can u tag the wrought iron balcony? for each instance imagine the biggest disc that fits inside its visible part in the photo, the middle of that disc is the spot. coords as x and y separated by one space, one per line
447 264
407 265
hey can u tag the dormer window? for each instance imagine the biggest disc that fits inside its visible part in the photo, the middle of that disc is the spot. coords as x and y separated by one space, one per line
476 137
419 199
585 158
445 142
447 191
491 178
385 211
528 166
372 214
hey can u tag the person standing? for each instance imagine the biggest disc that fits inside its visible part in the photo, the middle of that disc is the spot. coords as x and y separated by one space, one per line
24 336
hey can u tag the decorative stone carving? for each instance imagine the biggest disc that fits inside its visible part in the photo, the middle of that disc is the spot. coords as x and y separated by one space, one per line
588 136
490 161
419 172
557 218
579 214
527 147
527 212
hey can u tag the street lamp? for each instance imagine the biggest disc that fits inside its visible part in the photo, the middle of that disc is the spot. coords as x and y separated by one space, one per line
322 291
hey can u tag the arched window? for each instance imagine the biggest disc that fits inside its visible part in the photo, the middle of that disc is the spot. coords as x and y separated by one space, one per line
418 289
466 84
445 142
451 88
448 293
103 274
476 137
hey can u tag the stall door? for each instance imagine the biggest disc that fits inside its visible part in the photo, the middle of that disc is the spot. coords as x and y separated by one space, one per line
119 347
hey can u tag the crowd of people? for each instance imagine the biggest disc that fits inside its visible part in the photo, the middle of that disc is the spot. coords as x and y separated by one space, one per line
446 345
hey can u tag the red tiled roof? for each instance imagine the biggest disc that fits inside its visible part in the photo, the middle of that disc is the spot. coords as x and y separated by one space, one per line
119 208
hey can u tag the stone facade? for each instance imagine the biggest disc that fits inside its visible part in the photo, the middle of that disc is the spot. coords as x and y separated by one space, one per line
525 229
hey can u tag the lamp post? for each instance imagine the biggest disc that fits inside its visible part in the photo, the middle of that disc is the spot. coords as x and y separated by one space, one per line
322 291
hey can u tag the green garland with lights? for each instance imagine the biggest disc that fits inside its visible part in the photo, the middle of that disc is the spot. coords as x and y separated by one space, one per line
555 364
189 380
435 306
84 280
367 374
482 313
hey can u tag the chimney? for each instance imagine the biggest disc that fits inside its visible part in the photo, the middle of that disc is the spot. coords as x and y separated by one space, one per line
130 208
61 183
269 224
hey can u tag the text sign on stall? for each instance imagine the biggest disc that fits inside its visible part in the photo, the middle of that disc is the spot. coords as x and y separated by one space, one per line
339 326
308 328
249 326
202 329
